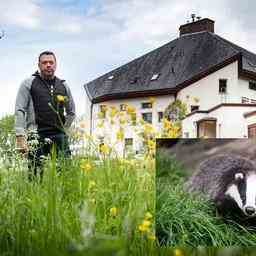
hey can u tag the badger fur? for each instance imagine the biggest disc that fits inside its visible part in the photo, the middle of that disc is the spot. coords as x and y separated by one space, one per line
230 181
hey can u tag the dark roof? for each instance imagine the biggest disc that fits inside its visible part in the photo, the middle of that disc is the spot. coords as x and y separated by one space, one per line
179 63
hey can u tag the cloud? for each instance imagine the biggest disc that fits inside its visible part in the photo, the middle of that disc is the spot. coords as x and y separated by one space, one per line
22 13
92 39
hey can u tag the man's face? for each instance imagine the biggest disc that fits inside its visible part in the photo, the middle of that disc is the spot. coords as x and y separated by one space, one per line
47 66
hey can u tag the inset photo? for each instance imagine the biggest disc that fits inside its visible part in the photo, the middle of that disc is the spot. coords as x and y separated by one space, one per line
206 192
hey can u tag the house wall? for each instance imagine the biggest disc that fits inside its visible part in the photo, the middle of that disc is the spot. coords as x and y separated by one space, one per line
161 102
231 122
243 90
207 89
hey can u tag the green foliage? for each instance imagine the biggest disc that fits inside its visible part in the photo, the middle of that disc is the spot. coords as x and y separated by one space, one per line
176 110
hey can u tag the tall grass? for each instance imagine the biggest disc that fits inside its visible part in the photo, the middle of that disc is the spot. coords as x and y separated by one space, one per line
184 219
69 210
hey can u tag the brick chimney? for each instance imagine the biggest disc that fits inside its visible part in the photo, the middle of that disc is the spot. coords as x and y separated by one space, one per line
197 26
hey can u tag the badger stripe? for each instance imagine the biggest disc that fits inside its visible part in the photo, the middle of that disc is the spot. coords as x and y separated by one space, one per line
233 192
251 190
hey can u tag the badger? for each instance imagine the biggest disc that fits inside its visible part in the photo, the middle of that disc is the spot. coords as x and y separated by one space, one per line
230 182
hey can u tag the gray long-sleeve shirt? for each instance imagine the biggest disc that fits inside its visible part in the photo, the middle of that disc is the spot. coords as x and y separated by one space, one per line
24 109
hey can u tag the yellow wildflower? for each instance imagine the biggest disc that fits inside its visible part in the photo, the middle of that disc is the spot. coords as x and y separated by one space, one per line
152 99
100 124
130 109
167 124
61 98
151 144
104 149
144 227
113 211
148 128
101 115
178 252
120 134
148 216
122 121
86 166
113 111
152 237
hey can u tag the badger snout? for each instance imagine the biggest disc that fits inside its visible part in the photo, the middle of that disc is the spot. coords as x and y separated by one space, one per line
250 210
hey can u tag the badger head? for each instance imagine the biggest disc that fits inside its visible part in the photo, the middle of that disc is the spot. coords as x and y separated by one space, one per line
243 191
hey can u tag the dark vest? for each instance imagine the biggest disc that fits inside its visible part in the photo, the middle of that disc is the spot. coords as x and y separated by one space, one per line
49 111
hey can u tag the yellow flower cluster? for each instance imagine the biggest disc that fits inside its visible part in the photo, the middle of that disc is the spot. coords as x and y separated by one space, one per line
86 166
120 134
178 252
152 100
113 111
113 211
148 128
103 148
130 109
145 226
61 98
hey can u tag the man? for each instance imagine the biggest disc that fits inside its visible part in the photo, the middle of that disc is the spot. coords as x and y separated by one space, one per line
44 104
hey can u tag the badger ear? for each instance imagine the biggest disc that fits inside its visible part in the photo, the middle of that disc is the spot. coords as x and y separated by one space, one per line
239 176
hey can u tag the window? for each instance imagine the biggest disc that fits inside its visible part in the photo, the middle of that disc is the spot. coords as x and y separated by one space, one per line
146 105
160 117
223 86
245 100
194 108
134 80
155 77
123 107
110 77
147 117
128 142
252 85
253 101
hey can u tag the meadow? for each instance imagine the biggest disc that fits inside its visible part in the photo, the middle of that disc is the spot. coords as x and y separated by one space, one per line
100 203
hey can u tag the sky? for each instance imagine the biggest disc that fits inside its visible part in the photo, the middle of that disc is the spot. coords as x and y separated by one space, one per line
92 37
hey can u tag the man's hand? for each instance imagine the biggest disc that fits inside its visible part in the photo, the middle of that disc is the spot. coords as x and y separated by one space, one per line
21 144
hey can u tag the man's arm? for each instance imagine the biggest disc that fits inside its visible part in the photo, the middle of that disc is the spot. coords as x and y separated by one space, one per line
21 108
70 109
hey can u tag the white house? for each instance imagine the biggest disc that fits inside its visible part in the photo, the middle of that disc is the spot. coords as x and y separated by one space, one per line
214 77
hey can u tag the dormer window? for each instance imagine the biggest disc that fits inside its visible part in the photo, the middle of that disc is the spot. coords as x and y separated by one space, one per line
110 77
155 77
134 80
223 86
